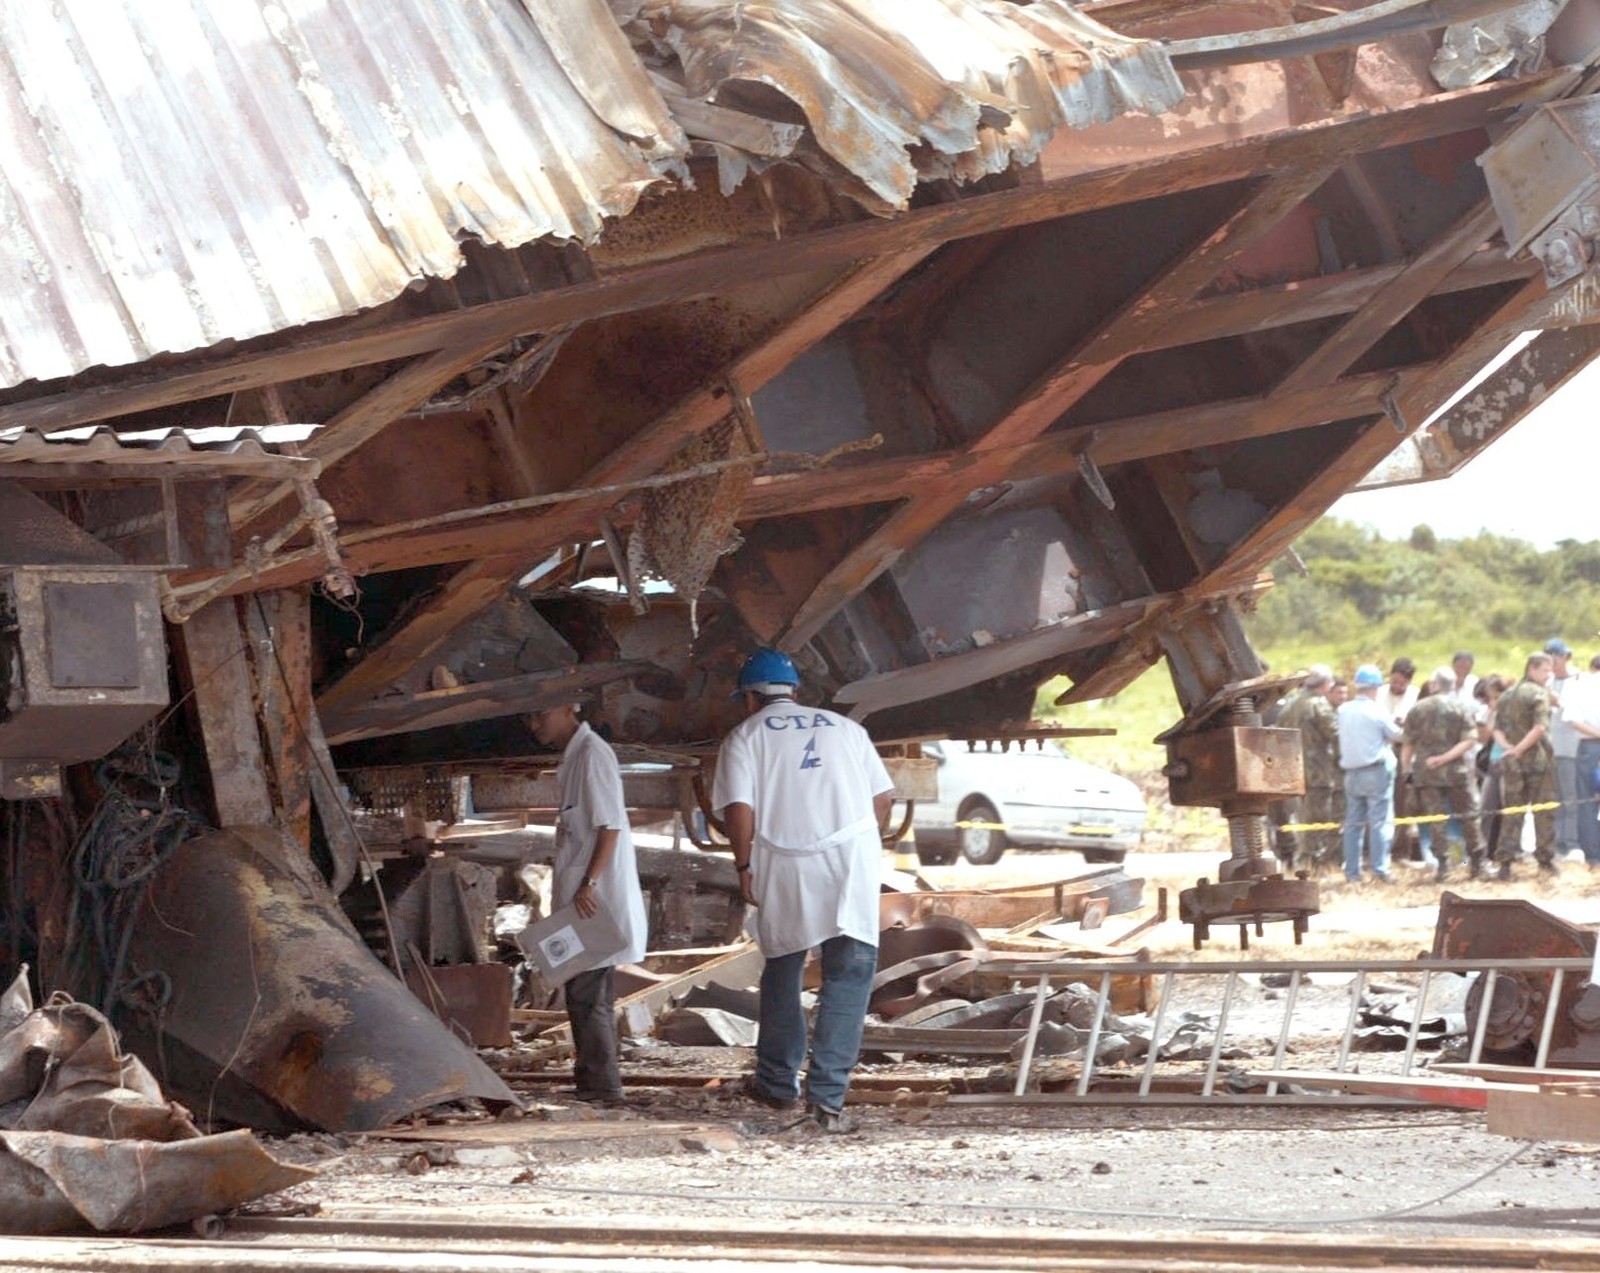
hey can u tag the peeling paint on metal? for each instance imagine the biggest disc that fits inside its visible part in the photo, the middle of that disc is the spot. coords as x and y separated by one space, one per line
179 175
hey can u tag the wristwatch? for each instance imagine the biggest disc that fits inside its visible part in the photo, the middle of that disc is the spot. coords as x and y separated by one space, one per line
741 867
589 881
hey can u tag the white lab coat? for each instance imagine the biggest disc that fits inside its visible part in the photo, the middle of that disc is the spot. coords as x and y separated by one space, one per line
590 787
816 862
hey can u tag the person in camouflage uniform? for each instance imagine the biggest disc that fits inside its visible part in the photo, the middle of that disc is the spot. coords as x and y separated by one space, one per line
1311 712
1527 769
1435 753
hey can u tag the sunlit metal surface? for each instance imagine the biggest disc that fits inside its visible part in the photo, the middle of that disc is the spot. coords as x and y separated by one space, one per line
179 175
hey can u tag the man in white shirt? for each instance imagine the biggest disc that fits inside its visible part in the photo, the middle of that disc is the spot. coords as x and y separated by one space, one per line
1466 679
1580 708
803 794
1564 679
595 871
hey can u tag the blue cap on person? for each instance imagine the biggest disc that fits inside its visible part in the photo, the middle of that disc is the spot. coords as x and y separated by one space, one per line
1368 676
1555 645
767 672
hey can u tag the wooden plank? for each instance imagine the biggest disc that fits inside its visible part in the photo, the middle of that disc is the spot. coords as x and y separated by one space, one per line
655 444
1545 1113
1458 1093
916 1040
211 646
737 969
279 625
907 525
1527 1075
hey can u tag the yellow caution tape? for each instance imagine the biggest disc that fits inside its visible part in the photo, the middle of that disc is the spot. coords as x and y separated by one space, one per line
1421 818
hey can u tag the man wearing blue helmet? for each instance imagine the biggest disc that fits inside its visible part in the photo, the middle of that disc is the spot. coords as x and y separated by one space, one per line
803 794
1366 755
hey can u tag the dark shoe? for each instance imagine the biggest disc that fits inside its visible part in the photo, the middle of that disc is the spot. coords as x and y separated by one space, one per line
1504 873
835 1122
1550 868
755 1092
1442 873
1476 872
606 1100
1381 879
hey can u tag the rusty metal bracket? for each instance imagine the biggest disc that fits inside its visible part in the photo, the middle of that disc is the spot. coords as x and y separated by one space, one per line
1090 471
179 605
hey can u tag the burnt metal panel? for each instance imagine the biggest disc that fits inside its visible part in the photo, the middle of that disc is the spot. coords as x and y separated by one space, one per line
87 663
92 633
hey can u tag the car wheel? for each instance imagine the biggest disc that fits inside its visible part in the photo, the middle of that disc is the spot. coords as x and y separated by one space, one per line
1093 856
982 845
936 854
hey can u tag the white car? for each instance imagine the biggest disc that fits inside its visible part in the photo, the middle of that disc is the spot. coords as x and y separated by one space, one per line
1028 796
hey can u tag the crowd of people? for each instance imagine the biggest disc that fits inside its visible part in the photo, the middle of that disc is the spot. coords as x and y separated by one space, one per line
1400 771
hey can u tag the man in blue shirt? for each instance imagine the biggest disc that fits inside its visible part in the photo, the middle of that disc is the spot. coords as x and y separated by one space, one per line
1367 758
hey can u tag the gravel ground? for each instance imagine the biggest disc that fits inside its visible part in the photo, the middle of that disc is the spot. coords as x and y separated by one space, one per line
1152 1170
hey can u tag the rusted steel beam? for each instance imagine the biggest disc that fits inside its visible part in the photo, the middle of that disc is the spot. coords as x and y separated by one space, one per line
337 345
906 526
1145 313
368 415
1416 401
480 583
1057 392
1305 300
466 593
865 482
1117 442
1391 303
659 441
481 700
1504 397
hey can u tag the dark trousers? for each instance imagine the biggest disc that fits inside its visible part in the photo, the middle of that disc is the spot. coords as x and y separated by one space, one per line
591 1008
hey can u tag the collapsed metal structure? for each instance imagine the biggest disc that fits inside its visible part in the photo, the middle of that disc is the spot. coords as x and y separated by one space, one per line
952 347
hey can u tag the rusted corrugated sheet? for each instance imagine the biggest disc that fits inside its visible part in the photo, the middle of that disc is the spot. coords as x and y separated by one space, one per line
897 91
180 174
98 444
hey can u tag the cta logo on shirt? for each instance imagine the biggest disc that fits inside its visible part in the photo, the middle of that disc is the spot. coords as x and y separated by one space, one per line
798 720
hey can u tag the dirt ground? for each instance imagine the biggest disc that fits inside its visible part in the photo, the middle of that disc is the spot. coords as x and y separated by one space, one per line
680 1152
1152 1170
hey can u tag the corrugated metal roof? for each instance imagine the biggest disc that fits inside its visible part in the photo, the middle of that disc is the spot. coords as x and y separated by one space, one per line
185 172
897 91
97 444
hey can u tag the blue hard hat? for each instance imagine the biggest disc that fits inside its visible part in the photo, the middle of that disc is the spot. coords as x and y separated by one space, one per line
1368 675
767 668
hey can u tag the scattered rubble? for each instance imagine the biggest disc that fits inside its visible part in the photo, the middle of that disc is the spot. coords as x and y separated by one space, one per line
88 1140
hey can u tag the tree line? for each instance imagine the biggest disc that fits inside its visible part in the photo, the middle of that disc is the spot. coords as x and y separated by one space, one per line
1345 579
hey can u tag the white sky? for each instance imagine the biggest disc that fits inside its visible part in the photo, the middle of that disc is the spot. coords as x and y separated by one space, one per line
1539 482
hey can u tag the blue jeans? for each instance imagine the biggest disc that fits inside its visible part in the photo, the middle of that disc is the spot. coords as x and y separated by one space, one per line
1368 806
1588 827
848 966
